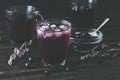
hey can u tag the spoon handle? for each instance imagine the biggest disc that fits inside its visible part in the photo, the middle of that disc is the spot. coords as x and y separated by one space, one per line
105 21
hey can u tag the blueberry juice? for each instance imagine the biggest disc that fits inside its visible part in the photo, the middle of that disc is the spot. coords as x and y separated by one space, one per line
83 14
53 39
20 22
21 28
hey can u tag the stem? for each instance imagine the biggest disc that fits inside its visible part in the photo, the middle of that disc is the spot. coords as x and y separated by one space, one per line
22 45
38 13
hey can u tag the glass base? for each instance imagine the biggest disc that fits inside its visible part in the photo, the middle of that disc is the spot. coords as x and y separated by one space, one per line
53 65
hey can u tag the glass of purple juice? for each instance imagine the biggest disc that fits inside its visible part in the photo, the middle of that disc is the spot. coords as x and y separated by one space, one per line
20 22
53 39
83 13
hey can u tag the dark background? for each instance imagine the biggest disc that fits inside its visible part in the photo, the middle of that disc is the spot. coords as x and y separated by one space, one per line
61 9
52 8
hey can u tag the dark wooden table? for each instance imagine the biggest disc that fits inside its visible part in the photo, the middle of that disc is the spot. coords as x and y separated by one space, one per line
103 66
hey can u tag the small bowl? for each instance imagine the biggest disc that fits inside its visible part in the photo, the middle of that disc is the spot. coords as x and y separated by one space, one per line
86 41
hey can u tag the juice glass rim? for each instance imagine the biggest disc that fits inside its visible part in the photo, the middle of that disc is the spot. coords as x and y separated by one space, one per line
54 21
20 9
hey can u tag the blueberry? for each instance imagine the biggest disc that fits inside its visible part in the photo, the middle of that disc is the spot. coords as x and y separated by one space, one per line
47 72
30 59
27 65
67 69
82 35
87 35
77 35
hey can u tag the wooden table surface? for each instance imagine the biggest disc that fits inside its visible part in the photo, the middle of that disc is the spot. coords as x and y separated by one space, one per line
104 66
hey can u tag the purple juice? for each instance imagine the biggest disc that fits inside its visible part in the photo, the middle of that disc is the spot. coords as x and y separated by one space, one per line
21 28
83 16
21 22
53 43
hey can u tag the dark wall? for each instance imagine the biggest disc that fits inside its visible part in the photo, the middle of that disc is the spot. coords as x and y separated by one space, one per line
60 8
49 8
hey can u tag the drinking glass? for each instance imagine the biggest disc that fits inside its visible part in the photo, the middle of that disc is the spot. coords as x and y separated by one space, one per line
83 13
53 39
20 22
